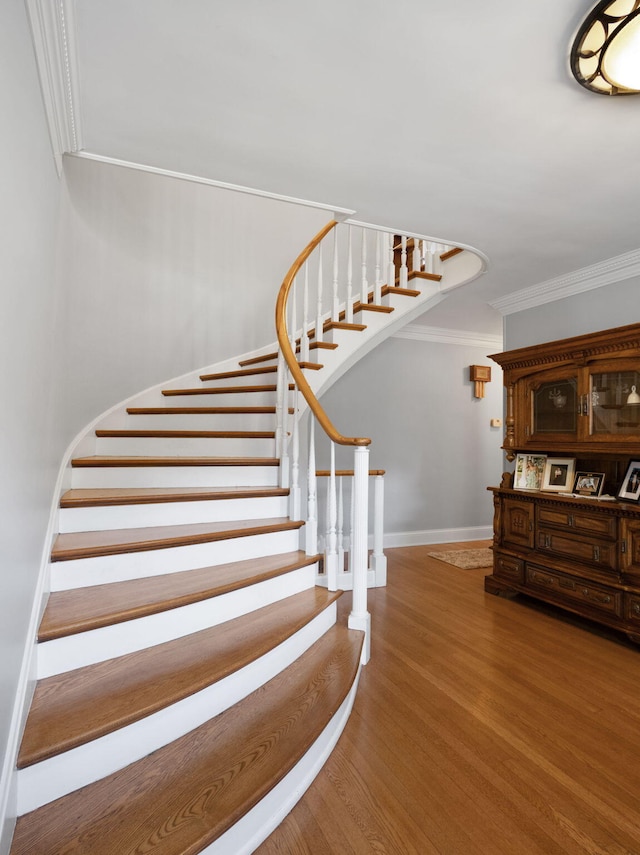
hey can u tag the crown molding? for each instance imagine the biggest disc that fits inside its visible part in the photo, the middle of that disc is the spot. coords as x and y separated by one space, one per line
607 272
53 30
416 332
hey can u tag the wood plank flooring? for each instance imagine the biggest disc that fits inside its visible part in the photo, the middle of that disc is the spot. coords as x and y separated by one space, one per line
482 726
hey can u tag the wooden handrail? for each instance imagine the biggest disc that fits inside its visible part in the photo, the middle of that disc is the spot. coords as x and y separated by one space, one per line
289 355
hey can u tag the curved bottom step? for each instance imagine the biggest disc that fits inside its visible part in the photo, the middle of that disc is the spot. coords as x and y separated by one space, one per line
213 788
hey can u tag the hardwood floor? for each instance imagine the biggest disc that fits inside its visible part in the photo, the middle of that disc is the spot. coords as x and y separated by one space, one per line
482 725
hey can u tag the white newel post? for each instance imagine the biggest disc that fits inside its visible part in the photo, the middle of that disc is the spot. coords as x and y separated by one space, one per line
378 559
311 525
360 617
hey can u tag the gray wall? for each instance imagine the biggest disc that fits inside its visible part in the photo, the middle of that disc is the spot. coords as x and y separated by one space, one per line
30 453
433 438
610 306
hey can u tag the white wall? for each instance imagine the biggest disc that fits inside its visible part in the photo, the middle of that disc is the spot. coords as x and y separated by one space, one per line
30 454
161 276
603 308
433 438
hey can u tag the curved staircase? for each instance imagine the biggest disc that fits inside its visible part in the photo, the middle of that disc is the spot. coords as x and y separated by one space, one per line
191 676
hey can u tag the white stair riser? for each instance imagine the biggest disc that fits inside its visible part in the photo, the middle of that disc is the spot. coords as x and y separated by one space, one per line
223 399
170 513
50 779
141 446
84 572
173 476
85 648
256 825
202 421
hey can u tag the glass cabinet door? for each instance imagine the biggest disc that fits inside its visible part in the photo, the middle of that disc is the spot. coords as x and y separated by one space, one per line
615 402
554 407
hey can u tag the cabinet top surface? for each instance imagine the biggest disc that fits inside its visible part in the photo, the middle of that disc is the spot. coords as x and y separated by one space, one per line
598 505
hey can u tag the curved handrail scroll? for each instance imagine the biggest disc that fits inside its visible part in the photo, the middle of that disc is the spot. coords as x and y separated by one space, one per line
289 354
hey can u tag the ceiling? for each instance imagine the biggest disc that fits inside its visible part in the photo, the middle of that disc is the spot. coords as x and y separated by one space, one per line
456 119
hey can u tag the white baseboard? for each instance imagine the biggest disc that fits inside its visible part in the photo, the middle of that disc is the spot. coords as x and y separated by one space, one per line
437 535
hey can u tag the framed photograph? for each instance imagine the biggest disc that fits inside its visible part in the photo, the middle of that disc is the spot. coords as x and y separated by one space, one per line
630 487
588 483
529 471
559 474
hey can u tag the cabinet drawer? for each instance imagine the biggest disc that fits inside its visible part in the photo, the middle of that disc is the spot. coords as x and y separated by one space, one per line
508 567
596 552
574 519
632 609
597 597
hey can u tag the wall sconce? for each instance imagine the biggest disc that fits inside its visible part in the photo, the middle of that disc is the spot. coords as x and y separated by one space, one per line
605 56
479 374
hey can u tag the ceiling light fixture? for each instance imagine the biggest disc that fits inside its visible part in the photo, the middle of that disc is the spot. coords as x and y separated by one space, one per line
605 56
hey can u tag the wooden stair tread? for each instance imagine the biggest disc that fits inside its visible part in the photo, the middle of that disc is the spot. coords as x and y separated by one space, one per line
74 708
107 496
189 434
240 372
182 797
422 274
90 544
395 289
207 411
219 390
257 359
372 307
101 461
450 253
83 609
342 325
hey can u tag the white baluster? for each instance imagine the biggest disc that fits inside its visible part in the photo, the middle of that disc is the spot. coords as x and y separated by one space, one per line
340 526
423 255
349 304
391 265
335 304
377 288
416 255
364 287
331 551
404 274
378 559
294 316
311 525
319 297
304 337
360 617
294 490
281 437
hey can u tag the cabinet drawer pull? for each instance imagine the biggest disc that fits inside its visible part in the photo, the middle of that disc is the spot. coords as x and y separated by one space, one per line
596 553
596 596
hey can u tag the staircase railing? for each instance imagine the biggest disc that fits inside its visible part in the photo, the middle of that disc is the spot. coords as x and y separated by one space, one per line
355 270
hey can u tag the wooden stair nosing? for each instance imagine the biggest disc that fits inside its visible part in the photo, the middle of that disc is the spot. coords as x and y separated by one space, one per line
342 325
225 767
107 461
255 360
445 256
72 709
108 497
82 609
219 390
196 411
187 434
393 289
92 544
241 372
371 307
422 274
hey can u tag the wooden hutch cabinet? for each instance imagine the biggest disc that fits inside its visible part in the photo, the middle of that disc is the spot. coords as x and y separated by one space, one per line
578 398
